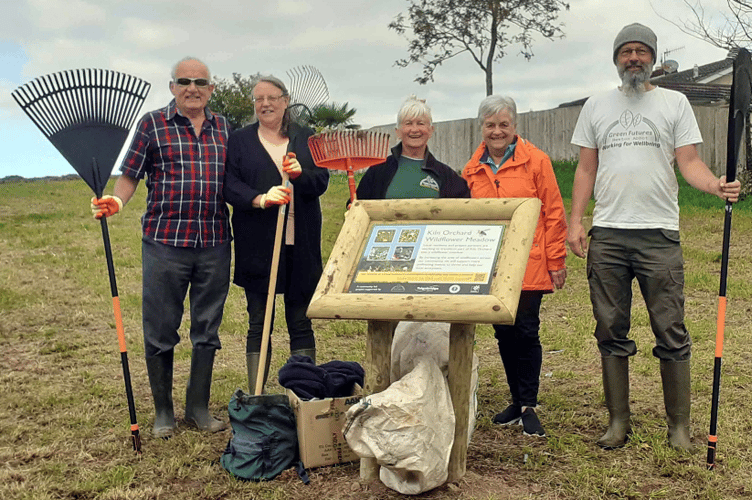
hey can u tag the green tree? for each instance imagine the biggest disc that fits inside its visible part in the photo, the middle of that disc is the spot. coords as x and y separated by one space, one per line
233 99
442 29
329 116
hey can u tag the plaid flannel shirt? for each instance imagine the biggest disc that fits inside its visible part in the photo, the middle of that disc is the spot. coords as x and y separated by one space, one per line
184 177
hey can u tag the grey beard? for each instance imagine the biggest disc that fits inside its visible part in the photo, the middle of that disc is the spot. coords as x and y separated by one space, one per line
633 84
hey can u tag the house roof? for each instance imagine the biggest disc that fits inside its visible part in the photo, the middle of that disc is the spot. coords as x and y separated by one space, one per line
699 93
694 83
699 74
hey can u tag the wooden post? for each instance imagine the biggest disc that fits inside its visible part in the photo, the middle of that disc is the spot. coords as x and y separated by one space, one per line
377 368
461 340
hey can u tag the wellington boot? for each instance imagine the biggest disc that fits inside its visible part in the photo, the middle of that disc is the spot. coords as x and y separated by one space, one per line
616 392
311 353
159 369
252 360
198 391
676 397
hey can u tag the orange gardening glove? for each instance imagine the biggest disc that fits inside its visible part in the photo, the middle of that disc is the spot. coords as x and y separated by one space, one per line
277 195
105 206
291 166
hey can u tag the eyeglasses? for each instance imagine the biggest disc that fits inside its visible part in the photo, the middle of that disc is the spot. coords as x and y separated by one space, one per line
271 99
185 82
641 52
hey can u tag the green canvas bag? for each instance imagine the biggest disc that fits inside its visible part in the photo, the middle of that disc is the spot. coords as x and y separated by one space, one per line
264 440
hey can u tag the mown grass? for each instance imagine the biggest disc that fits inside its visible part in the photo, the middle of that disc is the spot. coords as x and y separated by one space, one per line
64 419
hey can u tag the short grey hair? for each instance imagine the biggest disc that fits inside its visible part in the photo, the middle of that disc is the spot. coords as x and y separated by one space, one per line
496 104
413 108
174 72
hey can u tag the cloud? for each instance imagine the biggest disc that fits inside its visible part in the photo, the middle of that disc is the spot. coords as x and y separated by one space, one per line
152 35
63 15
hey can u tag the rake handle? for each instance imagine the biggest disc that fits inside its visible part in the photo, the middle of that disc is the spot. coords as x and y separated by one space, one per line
135 436
270 296
351 179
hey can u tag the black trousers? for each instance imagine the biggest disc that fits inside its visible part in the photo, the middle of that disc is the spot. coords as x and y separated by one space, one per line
521 351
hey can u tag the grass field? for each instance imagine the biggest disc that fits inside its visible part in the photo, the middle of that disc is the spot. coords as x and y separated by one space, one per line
64 419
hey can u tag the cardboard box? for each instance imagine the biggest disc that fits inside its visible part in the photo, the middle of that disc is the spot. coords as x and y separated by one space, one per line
320 423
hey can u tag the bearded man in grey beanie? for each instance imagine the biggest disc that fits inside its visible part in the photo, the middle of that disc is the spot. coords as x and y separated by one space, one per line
629 138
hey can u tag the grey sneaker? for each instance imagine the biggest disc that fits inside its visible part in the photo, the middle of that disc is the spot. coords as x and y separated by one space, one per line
531 426
511 415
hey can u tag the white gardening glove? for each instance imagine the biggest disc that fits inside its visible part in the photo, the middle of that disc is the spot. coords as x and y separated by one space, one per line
291 166
277 195
105 206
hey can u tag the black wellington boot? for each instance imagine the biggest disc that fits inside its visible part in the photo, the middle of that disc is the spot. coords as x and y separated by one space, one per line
159 369
198 391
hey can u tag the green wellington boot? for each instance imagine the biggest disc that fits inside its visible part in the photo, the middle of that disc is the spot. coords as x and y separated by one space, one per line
252 360
616 392
311 353
676 397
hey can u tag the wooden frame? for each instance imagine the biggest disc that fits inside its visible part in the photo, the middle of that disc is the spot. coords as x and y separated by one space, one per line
332 300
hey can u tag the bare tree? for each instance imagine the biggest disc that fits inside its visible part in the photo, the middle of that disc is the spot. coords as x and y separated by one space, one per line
725 30
442 29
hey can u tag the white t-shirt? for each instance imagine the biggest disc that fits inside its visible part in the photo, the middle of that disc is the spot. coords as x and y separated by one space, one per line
635 184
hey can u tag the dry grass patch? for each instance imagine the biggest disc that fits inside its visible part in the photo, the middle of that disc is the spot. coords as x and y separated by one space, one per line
64 419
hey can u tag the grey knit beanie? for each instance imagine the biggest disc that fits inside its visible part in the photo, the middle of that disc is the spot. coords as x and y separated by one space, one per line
636 32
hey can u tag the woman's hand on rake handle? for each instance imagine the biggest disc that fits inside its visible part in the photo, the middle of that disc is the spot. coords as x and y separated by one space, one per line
277 195
291 166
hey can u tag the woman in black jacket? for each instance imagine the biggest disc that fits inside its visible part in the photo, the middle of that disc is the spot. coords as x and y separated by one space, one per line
253 187
411 171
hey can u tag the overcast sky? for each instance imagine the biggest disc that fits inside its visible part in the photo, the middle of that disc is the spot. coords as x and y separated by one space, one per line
348 41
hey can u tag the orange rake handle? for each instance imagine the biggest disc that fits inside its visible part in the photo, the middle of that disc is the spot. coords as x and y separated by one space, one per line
135 435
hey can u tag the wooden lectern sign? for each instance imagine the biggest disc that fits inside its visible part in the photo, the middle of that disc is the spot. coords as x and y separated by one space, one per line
453 260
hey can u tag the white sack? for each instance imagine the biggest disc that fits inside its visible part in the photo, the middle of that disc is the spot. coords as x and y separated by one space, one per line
413 339
408 428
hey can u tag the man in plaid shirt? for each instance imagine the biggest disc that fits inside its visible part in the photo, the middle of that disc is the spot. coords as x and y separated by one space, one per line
180 151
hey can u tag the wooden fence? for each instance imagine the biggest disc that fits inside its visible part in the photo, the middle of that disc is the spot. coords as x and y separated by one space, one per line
454 141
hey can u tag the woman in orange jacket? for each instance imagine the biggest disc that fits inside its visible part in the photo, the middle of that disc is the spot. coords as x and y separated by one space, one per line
507 166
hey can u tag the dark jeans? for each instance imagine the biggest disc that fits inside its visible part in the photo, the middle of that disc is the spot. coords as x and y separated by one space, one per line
168 273
654 256
298 324
521 351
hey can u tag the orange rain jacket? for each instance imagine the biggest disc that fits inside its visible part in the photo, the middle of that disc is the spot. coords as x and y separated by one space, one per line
527 174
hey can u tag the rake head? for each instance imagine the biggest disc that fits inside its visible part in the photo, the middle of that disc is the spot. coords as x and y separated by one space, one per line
349 149
307 86
86 114
738 110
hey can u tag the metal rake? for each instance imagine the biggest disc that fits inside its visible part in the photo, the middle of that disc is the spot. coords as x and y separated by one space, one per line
308 91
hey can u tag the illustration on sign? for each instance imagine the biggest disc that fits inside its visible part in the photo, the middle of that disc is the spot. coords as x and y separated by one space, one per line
429 259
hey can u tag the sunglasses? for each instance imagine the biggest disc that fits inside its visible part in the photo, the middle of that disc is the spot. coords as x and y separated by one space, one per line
184 82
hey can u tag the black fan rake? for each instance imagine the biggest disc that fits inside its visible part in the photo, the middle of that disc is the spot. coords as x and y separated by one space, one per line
87 115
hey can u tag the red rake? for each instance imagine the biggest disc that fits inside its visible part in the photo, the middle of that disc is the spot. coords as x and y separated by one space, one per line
349 150
86 114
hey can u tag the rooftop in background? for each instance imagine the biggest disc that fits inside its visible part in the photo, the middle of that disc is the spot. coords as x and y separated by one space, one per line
709 84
